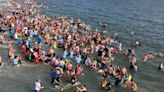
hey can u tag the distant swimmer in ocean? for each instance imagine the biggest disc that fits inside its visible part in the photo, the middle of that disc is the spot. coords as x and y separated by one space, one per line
104 27
54 6
152 55
132 32
133 64
129 52
136 43
161 66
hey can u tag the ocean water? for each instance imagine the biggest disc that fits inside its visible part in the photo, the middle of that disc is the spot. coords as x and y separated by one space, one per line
144 17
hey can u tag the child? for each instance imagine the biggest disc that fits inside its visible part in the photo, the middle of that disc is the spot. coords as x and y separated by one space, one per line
38 86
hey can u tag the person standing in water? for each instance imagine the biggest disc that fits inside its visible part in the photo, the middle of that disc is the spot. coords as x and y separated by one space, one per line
1 63
2 37
161 66
134 86
61 90
81 88
38 86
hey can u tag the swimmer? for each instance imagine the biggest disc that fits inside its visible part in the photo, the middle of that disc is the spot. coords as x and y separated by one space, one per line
161 66
133 65
124 71
128 52
148 56
136 43
115 36
151 56
132 32
134 86
159 54
103 25
54 6
1 63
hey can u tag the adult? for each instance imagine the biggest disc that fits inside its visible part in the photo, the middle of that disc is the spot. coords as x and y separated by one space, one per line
134 86
161 66
1 63
16 61
81 88
2 38
78 70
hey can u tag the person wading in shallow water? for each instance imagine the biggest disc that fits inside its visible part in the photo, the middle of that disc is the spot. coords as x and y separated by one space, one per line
1 63
2 37
134 86
161 66
81 88
38 86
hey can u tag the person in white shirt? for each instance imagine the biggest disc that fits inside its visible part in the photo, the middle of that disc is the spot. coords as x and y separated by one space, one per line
16 36
38 86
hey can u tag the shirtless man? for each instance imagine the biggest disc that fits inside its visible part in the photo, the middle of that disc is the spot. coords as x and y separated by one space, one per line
134 86
151 56
1 63
2 38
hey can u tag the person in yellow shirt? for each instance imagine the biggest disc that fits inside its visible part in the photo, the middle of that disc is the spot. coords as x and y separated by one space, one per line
47 37
54 44
92 44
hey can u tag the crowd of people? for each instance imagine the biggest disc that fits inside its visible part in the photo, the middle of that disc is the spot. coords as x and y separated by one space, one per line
80 46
